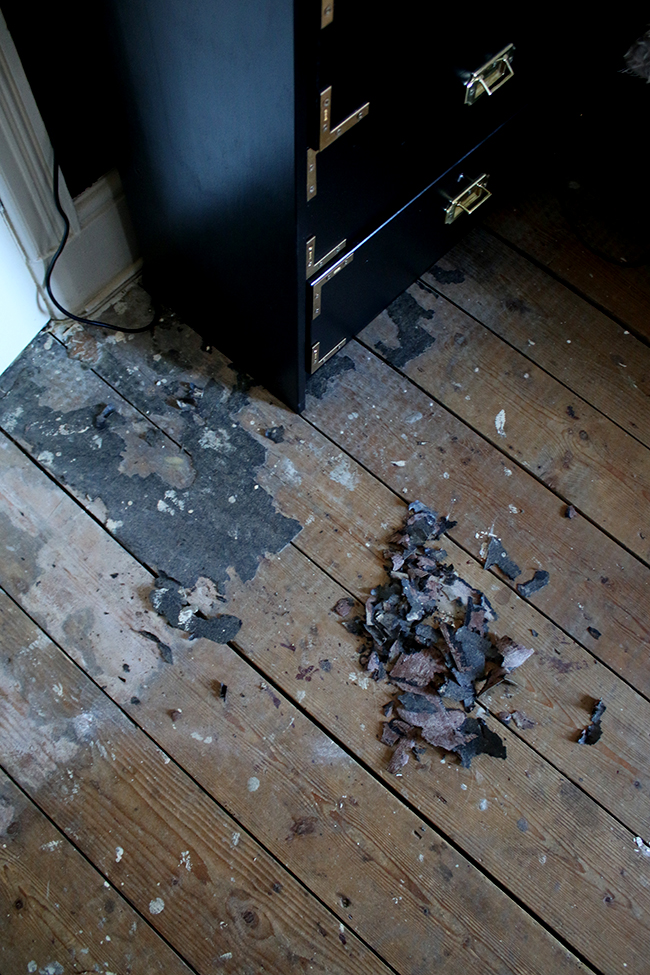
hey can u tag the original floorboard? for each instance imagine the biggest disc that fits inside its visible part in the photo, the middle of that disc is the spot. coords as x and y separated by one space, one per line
267 519
320 824
604 363
512 792
526 414
56 910
203 882
593 582
537 226
347 519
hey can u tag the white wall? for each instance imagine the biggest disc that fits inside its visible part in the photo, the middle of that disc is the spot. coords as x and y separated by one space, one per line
22 315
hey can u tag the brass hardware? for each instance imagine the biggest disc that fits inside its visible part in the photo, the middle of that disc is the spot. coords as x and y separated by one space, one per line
313 266
326 276
326 12
328 135
316 361
311 173
469 200
490 76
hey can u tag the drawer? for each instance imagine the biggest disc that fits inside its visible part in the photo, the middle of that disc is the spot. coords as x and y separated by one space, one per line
363 279
420 118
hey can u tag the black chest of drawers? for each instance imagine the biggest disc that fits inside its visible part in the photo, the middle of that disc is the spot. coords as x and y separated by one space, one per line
293 166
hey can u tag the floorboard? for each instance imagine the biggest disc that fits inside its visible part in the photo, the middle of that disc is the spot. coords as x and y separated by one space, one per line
537 226
186 718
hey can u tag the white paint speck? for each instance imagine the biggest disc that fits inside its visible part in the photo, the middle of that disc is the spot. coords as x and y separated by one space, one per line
500 422
32 966
483 804
226 955
363 682
253 784
197 736
185 860
119 853
513 508
446 475
113 525
45 457
234 840
52 968
642 847
542 859
342 474
232 499
507 472
421 857
164 507
52 845
156 906
398 463
463 787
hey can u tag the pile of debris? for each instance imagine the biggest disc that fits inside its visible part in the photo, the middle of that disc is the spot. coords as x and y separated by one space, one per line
426 632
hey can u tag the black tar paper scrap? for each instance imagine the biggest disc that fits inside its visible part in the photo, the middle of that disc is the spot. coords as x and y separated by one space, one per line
426 633
539 580
591 734
497 555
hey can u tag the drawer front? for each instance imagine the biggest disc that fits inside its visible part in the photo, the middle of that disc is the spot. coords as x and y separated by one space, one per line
408 98
362 280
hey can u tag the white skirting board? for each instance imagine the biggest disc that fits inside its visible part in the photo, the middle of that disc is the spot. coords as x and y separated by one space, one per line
100 258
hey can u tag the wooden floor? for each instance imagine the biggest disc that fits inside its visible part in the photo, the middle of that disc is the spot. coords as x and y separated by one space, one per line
193 782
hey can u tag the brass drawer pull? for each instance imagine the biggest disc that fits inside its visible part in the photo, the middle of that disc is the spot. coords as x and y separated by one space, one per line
469 200
491 76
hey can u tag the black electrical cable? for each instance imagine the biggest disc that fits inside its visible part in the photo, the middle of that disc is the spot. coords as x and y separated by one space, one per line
56 256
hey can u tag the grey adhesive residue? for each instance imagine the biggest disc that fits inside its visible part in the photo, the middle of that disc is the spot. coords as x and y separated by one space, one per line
413 340
195 510
337 365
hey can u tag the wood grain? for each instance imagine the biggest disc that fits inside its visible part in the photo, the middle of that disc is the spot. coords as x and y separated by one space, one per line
359 848
604 364
288 629
537 226
565 443
202 882
348 516
57 910
593 581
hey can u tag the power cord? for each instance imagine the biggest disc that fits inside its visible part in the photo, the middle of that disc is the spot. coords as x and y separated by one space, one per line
56 256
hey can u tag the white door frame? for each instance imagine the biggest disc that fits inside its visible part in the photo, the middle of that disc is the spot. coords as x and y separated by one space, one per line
101 255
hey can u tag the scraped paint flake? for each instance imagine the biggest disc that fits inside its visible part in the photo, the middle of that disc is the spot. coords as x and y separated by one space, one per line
52 845
500 422
119 853
642 847
185 860
156 906
253 784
